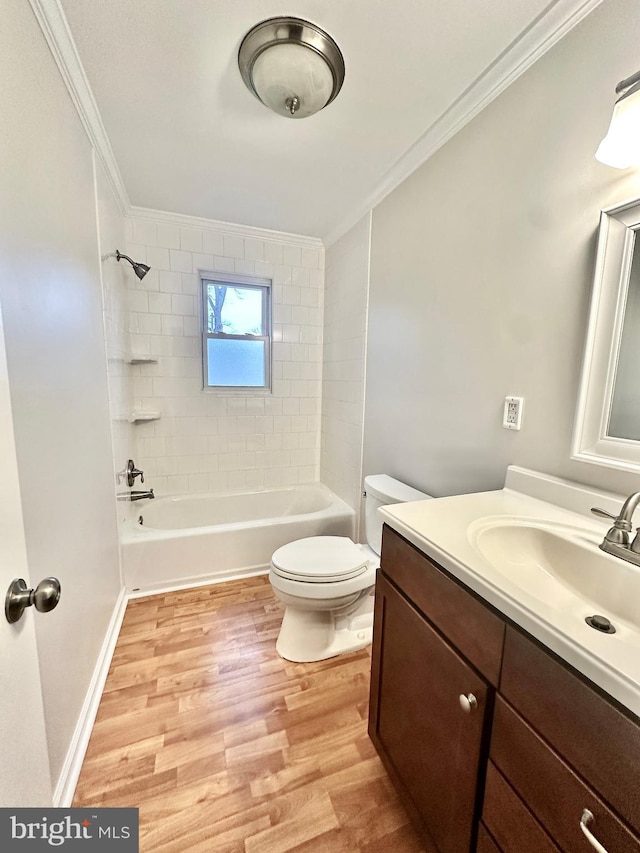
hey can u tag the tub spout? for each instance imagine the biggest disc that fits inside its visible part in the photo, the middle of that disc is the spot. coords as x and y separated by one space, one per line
139 496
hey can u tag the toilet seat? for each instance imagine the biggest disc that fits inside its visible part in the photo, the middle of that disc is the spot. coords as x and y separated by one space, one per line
319 559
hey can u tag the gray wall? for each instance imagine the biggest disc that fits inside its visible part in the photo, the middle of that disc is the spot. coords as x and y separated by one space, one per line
481 271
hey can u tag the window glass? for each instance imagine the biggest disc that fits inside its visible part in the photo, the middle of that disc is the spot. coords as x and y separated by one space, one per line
236 341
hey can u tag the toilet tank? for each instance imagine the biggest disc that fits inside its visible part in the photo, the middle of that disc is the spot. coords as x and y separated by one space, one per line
381 489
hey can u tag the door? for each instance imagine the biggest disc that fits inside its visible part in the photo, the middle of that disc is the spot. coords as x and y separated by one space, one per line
419 725
25 779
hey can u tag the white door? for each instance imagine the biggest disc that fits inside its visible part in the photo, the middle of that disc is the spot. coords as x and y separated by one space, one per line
25 779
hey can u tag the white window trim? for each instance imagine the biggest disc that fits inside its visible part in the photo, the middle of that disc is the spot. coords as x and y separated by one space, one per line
212 277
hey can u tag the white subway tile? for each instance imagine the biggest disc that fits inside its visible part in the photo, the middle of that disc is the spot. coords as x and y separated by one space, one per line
310 258
212 242
137 301
183 305
168 236
172 325
190 283
180 261
170 282
300 277
158 258
264 269
243 267
282 274
144 231
160 303
191 239
202 261
221 264
233 246
292 256
253 249
273 252
150 324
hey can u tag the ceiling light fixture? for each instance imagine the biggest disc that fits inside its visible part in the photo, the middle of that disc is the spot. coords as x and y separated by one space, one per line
291 65
621 146
139 269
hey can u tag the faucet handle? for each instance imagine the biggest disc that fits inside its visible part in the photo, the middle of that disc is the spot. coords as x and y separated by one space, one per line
602 513
133 472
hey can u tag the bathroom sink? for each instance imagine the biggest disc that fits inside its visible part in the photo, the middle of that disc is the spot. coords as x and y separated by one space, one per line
560 564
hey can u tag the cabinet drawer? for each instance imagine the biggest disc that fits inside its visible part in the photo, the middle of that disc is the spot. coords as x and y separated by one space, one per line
466 622
554 794
596 738
509 820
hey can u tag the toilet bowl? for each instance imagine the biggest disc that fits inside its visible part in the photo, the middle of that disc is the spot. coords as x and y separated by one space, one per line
327 582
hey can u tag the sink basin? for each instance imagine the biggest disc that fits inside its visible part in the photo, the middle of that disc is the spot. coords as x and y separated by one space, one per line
561 565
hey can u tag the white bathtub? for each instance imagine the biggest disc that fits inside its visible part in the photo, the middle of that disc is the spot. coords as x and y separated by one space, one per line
190 539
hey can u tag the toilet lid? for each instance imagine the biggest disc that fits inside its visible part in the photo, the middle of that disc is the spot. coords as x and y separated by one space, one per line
319 559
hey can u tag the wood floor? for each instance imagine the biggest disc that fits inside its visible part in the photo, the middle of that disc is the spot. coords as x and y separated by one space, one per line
225 747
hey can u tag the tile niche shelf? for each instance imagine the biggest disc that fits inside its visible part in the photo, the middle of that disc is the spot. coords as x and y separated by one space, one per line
140 358
138 417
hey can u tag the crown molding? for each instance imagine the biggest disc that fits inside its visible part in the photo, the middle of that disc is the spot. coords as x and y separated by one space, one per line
543 32
54 26
185 221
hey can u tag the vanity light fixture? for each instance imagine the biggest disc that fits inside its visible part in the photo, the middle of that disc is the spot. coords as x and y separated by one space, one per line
139 269
621 146
291 65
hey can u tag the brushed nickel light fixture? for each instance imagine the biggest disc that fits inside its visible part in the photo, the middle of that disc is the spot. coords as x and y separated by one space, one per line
621 146
291 65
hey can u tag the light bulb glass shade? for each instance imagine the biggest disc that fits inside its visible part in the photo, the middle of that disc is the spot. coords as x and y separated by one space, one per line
621 146
287 71
291 65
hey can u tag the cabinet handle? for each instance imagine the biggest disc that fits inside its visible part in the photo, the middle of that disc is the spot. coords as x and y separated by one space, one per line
586 818
468 702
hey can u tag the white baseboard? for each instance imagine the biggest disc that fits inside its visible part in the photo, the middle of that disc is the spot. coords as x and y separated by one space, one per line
66 786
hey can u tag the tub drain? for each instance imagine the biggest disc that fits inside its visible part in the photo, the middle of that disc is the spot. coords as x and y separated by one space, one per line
600 623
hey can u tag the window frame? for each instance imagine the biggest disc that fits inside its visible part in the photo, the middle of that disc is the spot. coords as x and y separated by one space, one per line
247 282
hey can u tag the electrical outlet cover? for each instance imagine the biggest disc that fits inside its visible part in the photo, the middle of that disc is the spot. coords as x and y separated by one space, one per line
512 417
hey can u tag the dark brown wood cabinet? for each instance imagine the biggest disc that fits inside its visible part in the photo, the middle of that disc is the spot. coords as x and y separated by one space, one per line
514 767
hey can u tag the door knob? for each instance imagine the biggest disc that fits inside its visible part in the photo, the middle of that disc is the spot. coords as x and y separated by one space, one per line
44 597
468 702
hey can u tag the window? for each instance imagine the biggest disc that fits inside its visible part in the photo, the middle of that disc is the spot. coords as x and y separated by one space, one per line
237 332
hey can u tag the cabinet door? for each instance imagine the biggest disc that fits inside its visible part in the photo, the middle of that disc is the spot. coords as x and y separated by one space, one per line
431 745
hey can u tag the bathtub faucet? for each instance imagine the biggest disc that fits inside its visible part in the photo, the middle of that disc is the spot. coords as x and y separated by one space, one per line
140 496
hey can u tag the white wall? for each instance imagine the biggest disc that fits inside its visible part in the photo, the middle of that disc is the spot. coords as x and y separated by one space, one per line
52 307
211 440
344 349
481 275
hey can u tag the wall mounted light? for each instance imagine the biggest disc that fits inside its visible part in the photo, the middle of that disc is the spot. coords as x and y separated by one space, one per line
139 269
291 65
621 146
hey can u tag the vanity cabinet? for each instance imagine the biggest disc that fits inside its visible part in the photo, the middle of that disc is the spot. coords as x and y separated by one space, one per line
493 743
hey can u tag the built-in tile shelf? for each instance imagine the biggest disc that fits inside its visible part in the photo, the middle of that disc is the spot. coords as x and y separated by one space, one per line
138 417
141 359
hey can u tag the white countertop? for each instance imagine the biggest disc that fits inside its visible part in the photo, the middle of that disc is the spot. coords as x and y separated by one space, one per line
443 529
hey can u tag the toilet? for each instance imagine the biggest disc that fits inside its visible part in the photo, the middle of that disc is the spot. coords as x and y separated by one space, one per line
326 582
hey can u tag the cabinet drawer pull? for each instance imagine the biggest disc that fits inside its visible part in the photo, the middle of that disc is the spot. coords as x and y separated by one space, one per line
468 702
586 818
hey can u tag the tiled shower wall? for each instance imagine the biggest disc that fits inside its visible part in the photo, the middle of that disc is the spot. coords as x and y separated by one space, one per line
345 328
211 440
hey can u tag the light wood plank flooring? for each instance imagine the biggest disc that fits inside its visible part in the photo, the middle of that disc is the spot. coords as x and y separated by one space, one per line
225 747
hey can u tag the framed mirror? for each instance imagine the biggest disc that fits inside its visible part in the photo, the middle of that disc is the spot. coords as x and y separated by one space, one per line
607 430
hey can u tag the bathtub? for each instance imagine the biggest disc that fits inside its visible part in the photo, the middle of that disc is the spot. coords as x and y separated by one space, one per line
189 539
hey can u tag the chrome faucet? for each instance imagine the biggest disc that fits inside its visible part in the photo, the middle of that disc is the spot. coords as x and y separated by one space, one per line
617 539
140 496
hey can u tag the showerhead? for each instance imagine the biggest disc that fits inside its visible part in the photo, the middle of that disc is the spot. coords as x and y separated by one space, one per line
139 269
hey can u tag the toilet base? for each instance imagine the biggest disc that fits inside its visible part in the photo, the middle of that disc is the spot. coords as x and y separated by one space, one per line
311 635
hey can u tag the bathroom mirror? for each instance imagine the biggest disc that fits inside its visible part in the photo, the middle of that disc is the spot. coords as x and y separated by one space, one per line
607 428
